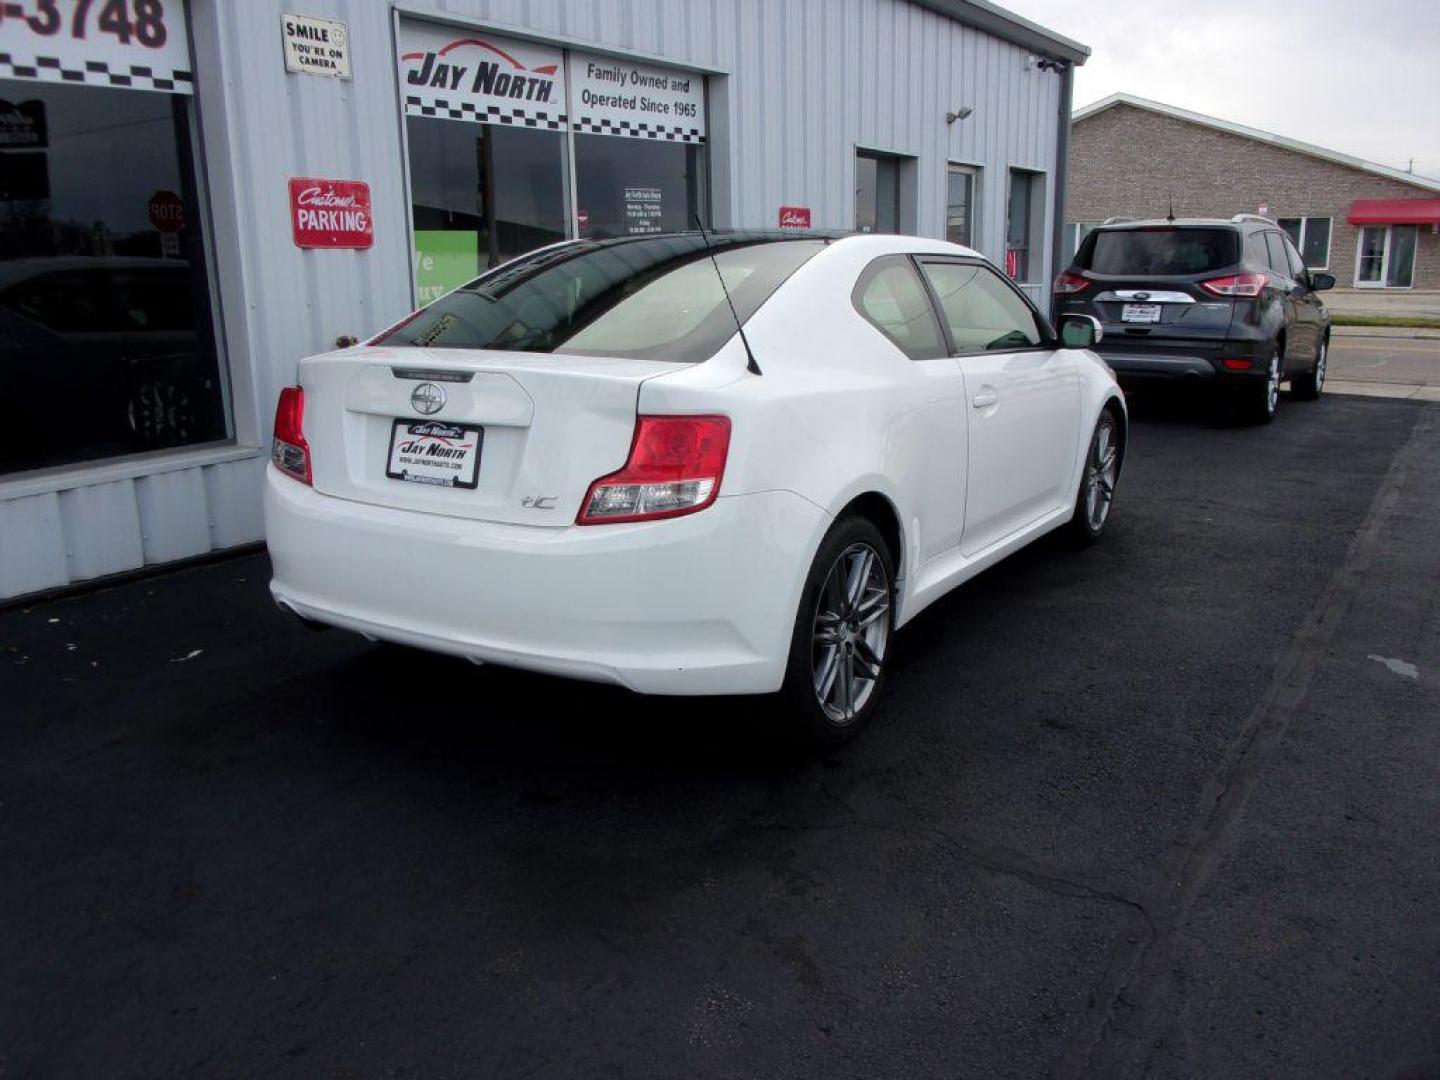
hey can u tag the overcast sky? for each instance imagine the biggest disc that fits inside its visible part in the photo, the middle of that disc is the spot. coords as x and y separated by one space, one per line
1358 76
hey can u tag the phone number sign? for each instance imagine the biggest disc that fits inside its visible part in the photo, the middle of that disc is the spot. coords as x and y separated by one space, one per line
131 44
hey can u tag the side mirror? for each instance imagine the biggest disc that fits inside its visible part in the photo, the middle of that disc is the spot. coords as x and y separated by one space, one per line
1080 331
1322 281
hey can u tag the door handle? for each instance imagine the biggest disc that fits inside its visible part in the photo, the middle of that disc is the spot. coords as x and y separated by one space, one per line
984 399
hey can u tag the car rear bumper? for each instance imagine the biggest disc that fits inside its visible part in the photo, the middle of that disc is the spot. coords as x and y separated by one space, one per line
1134 367
1145 367
702 604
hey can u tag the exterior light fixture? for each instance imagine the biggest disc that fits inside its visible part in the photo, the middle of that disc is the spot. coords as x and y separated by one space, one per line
959 114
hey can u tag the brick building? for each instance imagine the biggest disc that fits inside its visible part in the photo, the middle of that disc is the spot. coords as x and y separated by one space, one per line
1370 226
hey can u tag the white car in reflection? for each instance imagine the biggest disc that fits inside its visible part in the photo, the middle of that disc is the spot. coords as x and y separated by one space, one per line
575 464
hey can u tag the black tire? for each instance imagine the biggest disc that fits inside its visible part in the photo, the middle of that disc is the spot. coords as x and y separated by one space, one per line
1260 397
1098 477
1308 387
857 647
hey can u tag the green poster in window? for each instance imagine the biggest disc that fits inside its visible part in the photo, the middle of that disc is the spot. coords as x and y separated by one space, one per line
444 258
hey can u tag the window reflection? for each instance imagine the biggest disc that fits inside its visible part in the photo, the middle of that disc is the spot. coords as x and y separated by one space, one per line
482 194
106 340
634 187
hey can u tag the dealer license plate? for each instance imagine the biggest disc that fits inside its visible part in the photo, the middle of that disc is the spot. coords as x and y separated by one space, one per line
431 452
1140 313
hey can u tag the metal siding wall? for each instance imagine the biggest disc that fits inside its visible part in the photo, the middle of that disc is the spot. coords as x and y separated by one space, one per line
806 81
32 545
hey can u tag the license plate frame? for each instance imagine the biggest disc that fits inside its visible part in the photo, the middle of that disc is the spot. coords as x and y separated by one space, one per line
411 459
1141 313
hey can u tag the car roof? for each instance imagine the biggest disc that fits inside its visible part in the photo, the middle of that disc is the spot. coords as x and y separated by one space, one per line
1188 223
835 239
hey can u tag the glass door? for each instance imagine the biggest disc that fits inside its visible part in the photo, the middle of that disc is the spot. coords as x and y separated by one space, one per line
1400 259
1370 259
1385 258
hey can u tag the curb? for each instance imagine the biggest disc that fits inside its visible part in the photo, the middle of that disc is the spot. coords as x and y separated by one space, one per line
1403 332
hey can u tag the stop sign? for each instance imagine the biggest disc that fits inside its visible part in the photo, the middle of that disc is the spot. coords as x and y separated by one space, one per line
167 212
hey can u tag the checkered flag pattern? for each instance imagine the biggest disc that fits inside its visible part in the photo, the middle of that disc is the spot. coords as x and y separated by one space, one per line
97 73
485 114
633 130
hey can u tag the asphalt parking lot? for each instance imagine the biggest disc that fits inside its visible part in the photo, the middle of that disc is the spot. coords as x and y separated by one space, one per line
1165 807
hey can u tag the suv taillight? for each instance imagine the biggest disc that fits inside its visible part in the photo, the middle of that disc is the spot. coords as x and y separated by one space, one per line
1249 284
290 452
1067 284
674 468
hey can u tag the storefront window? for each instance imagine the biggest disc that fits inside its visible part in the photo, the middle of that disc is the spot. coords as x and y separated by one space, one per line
489 127
106 338
632 187
481 194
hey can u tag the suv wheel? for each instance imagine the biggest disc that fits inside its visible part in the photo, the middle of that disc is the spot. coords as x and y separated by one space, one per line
1259 398
1307 387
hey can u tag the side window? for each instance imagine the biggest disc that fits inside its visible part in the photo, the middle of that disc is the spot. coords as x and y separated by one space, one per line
891 297
151 300
1256 252
69 302
981 309
1297 264
1278 262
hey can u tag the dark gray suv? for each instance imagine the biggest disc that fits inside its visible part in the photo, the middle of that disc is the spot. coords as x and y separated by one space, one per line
1227 303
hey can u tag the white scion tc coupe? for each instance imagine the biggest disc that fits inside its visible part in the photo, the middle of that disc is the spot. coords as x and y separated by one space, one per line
576 464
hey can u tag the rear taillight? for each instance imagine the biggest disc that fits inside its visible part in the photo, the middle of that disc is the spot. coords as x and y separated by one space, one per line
1067 284
1236 363
290 452
674 468
1236 285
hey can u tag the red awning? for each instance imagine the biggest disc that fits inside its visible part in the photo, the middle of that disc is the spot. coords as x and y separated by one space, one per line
1395 212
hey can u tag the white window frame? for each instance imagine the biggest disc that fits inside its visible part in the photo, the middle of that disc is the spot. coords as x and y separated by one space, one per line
1304 226
1384 258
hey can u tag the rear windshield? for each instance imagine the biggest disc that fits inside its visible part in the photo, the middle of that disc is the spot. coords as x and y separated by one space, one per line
1155 252
656 298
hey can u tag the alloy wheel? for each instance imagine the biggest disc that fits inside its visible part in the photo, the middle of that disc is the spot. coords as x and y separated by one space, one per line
1320 364
1102 470
1272 386
850 634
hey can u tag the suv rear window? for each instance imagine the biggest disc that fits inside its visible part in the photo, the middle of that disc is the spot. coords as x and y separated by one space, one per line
656 298
1158 252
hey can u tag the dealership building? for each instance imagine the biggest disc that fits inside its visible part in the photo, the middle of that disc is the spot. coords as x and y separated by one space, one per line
193 196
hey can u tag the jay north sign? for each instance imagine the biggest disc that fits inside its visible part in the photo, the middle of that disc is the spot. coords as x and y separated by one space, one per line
490 79
480 78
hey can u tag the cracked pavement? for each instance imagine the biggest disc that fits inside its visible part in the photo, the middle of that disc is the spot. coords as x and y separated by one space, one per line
1152 809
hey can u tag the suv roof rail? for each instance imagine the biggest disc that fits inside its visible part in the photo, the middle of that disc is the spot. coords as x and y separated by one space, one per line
1238 218
1117 219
